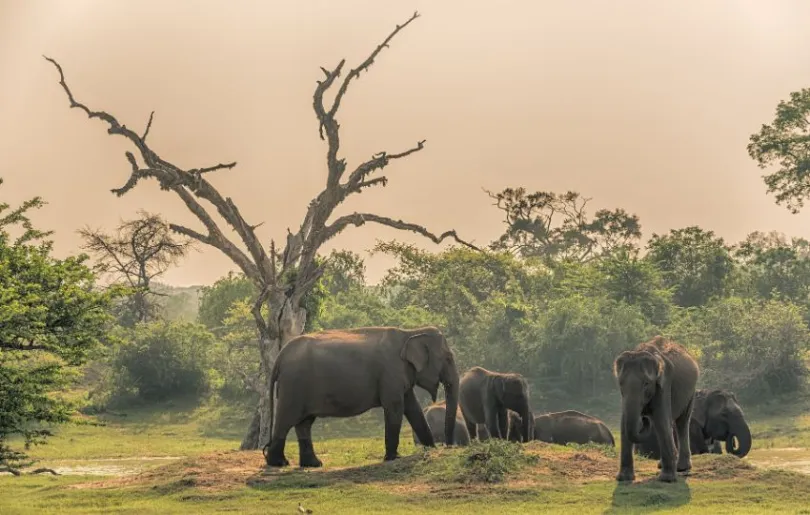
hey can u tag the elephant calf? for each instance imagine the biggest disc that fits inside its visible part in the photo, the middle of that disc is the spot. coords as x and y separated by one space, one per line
435 414
513 432
716 417
657 381
571 426
485 398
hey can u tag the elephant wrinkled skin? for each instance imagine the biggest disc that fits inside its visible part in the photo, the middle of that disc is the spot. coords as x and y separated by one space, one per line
716 417
657 380
571 426
435 414
486 397
346 373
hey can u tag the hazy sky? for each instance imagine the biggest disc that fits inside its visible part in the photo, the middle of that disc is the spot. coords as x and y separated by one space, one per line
642 105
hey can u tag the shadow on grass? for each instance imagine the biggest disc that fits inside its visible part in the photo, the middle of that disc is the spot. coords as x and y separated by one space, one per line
296 478
649 495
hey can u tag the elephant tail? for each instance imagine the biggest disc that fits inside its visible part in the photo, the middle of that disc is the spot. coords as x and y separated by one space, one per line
272 393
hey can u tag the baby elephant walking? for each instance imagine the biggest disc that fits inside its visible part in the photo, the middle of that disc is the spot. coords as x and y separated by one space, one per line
657 381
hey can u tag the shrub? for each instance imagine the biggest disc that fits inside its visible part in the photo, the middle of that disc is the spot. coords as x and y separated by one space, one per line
161 360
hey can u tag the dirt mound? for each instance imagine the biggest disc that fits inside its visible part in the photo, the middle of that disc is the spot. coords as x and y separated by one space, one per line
430 472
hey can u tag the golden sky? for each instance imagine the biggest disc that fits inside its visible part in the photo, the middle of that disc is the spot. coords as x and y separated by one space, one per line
638 104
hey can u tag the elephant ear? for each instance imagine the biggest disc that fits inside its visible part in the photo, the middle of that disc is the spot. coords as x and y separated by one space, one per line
415 351
618 364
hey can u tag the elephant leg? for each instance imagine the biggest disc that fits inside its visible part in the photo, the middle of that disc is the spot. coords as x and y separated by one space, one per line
626 472
416 418
491 421
393 425
503 422
306 452
274 455
684 445
662 425
472 428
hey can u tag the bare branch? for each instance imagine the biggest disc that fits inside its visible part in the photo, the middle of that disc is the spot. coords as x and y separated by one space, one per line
365 65
148 126
379 161
358 219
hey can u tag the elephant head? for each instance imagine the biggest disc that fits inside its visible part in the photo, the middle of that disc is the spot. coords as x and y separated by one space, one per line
426 349
512 390
721 418
640 374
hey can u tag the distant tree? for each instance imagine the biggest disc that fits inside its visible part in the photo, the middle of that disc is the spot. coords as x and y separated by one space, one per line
775 267
345 271
51 318
557 226
694 262
284 280
637 282
786 142
139 251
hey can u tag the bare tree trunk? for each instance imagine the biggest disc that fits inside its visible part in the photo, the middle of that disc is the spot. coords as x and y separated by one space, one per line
290 325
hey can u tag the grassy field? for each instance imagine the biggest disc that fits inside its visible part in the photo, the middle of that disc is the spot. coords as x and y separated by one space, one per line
182 459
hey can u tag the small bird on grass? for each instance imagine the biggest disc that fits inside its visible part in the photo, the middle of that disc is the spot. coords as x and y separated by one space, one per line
301 509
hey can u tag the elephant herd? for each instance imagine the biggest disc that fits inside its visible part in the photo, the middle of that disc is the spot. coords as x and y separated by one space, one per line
344 373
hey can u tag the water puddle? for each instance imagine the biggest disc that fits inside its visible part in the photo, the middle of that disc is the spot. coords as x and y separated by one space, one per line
107 466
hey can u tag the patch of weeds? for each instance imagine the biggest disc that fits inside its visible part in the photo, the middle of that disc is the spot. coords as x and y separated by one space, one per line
606 450
481 462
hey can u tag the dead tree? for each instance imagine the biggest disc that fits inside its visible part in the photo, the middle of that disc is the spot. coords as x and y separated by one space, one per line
139 251
283 278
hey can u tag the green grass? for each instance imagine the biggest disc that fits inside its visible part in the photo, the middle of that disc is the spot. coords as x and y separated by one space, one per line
496 477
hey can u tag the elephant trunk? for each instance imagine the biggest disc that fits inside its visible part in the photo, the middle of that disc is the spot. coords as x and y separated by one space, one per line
738 428
451 400
638 427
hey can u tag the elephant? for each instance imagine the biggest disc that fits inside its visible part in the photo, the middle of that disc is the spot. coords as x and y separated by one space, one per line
657 381
716 417
571 426
513 431
435 416
344 373
485 398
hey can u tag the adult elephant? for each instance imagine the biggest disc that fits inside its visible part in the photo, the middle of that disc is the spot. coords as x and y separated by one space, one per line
571 426
344 373
435 414
716 417
486 397
657 381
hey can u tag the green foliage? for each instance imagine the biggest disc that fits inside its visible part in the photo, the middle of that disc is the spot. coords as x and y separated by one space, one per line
554 226
216 300
774 267
490 461
51 319
163 360
753 347
693 262
572 344
786 143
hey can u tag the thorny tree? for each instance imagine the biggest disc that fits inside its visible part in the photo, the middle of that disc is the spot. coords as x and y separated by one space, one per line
556 226
139 251
283 278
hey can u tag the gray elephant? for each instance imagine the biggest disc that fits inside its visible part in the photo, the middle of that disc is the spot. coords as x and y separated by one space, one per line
513 431
571 426
344 373
716 417
435 414
485 398
657 381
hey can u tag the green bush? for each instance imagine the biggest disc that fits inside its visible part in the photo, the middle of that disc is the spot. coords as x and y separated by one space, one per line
163 360
755 348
